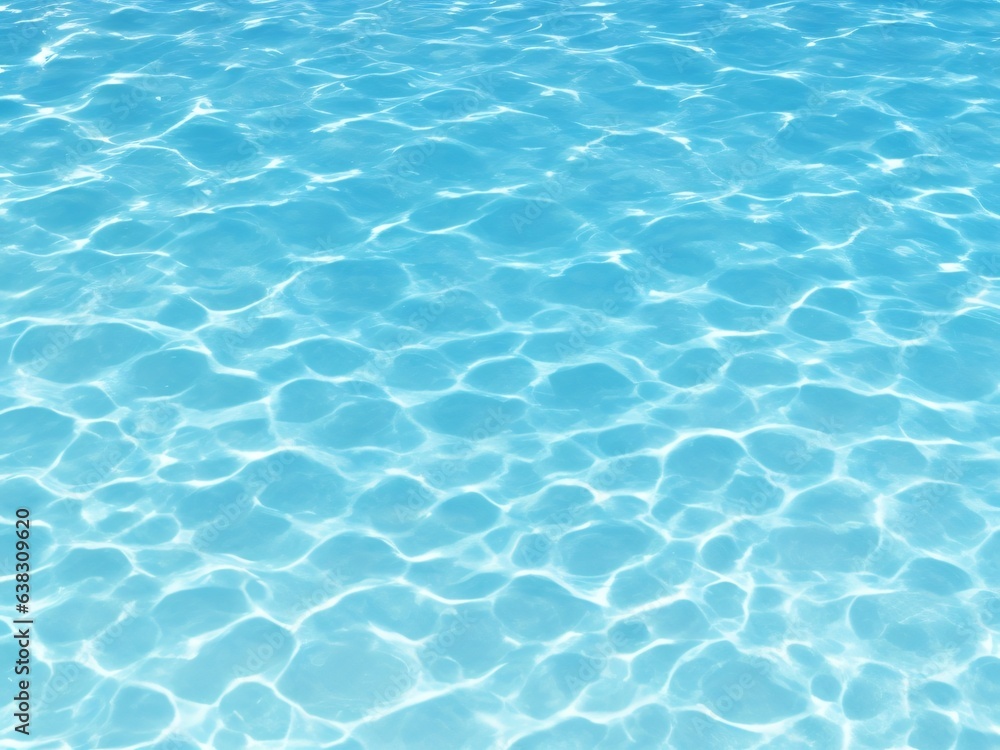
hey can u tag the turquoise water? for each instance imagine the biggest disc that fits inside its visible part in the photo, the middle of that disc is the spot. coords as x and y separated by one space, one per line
480 375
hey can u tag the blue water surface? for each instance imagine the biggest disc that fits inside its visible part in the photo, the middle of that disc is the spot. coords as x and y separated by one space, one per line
473 375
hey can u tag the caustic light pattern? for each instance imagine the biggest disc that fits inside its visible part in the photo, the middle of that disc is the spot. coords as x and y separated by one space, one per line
483 375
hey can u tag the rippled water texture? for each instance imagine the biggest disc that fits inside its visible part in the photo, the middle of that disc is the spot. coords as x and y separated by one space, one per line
481 375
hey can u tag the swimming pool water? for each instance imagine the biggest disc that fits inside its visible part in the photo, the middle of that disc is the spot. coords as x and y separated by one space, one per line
532 375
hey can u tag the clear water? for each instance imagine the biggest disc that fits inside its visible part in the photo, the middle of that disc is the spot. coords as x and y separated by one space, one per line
526 375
